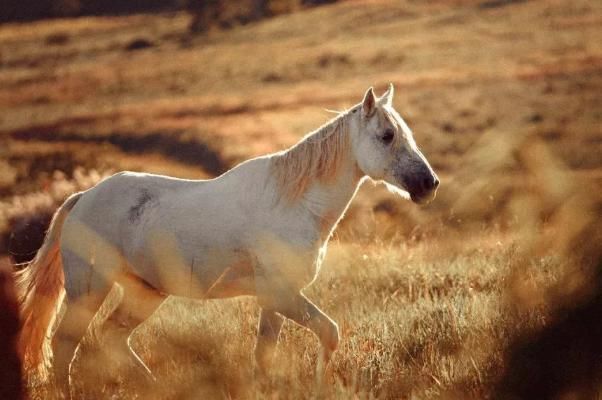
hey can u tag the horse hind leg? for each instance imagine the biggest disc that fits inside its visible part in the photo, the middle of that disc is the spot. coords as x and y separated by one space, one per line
140 301
86 290
77 318
90 313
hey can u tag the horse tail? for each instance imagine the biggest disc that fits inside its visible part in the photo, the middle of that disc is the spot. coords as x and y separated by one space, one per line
39 286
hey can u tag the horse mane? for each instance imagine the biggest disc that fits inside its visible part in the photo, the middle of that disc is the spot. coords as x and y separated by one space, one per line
318 156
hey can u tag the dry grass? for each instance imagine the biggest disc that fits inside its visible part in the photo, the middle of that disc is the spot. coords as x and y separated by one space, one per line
411 326
504 100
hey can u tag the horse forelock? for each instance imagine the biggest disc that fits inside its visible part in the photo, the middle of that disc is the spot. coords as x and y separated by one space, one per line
318 156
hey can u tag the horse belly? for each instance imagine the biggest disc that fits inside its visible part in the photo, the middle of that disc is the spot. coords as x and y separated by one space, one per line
178 264
238 279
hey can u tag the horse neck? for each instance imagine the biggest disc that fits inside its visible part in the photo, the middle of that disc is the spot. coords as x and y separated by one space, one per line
320 173
328 201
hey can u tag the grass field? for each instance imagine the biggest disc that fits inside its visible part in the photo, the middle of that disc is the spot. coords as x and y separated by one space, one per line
504 99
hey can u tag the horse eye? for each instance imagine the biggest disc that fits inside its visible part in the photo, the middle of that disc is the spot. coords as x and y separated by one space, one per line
388 136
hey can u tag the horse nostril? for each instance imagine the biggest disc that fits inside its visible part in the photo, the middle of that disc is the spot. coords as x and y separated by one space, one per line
430 183
427 184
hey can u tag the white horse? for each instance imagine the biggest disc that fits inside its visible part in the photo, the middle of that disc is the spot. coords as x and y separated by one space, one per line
259 229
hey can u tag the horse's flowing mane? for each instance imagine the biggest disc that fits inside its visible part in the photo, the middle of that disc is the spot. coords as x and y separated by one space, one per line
318 156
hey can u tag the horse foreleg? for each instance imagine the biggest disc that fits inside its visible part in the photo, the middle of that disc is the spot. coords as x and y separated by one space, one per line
267 338
302 311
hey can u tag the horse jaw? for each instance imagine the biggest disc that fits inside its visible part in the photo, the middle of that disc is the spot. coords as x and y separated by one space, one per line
396 190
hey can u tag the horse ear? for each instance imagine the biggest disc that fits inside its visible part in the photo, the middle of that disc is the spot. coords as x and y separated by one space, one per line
369 103
387 98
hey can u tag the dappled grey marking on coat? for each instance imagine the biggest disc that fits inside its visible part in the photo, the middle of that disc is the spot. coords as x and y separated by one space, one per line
260 229
137 209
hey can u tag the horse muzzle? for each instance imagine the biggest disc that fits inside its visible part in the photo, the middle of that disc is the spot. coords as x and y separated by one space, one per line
423 190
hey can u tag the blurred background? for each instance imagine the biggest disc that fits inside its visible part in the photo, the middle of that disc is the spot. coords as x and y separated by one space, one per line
491 291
